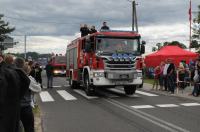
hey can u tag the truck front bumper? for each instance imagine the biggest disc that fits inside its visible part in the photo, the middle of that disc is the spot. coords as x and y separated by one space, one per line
106 81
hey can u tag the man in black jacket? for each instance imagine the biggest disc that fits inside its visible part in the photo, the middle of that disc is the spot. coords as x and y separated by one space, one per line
14 83
84 30
93 30
105 27
171 76
49 73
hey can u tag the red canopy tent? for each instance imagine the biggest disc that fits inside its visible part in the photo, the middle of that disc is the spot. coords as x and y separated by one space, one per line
176 53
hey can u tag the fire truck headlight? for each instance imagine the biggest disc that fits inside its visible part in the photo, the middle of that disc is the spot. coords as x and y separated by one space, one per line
56 71
139 74
98 74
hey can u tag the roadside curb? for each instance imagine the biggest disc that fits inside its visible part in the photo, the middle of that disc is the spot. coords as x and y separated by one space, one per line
148 87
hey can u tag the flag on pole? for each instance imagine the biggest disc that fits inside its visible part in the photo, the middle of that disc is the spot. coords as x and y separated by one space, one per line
190 11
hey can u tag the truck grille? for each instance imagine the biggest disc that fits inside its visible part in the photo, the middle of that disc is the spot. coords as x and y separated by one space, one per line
119 65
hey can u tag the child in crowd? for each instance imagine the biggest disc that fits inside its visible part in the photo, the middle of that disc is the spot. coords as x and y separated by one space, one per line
156 77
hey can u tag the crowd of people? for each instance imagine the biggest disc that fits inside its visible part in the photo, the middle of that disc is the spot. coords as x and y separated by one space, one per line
168 77
85 30
19 81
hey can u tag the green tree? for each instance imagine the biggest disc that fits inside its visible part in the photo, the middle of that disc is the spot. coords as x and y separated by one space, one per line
154 49
160 45
4 29
178 44
196 31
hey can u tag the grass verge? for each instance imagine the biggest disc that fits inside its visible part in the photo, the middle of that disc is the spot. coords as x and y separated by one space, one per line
38 120
150 81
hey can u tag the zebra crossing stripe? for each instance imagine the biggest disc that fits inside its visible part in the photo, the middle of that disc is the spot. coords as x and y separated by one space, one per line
46 97
167 105
145 93
57 86
137 91
81 92
120 91
142 106
66 85
66 95
190 104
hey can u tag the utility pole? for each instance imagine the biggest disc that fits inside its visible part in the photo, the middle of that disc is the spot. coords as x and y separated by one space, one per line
25 47
190 19
134 17
133 20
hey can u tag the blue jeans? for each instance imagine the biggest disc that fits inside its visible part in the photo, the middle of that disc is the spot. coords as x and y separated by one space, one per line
195 91
170 83
49 81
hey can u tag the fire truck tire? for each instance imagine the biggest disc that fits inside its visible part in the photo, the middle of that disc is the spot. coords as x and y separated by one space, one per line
87 86
129 90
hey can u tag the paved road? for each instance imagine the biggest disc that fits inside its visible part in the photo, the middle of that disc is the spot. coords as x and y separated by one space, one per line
67 110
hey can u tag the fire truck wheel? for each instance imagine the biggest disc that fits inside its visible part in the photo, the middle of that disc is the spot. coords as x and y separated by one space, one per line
129 90
88 87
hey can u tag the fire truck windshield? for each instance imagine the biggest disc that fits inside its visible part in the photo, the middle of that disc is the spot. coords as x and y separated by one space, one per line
60 60
118 45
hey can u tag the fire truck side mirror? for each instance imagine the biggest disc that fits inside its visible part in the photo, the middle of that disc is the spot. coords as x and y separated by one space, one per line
142 49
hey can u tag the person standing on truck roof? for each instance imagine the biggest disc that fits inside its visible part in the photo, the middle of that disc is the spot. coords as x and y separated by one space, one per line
84 30
93 30
105 27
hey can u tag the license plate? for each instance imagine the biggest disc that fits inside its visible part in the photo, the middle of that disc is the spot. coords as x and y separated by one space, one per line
124 76
120 82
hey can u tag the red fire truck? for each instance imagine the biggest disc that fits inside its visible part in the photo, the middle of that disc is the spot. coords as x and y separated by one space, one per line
59 65
105 59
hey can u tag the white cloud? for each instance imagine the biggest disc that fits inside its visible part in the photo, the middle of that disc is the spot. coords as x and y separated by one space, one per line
159 20
43 44
151 34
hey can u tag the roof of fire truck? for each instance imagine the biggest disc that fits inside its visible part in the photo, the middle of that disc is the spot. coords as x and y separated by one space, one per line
116 33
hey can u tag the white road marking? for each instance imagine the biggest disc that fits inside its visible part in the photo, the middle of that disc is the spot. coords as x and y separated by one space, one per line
190 104
145 93
81 92
156 121
142 106
122 92
46 97
138 92
133 96
57 86
67 85
44 87
66 95
167 105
